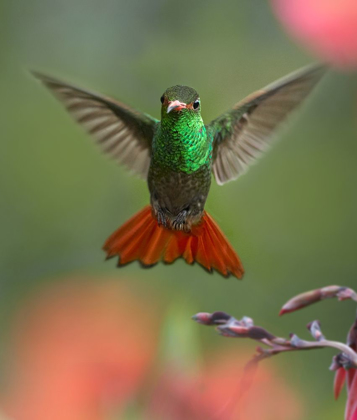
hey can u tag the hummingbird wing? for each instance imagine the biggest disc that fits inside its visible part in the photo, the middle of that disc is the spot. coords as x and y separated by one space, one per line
123 132
242 134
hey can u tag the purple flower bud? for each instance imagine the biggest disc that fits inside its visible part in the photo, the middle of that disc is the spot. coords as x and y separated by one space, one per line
346 293
315 329
335 365
295 341
240 331
203 318
216 318
300 301
233 331
313 296
247 322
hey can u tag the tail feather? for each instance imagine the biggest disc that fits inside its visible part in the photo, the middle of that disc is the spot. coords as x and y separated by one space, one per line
190 251
122 237
156 241
142 239
202 255
132 249
172 251
217 252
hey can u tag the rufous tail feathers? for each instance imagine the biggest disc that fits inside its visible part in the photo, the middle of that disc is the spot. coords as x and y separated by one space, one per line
141 238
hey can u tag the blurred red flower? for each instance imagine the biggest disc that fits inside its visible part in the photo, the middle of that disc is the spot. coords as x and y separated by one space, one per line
214 393
85 350
349 377
351 406
79 351
327 27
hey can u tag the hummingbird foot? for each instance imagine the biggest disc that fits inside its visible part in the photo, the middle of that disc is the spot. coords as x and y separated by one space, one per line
161 218
180 222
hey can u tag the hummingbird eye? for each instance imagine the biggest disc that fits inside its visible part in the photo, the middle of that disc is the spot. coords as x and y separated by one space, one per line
162 99
196 104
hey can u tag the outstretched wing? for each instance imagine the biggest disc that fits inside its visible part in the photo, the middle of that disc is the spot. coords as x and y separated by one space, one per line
242 134
121 131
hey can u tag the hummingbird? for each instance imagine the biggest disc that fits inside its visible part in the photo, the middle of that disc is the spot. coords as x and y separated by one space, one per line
177 156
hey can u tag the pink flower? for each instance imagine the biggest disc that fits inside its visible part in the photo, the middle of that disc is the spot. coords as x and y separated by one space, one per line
351 406
80 349
350 378
326 27
216 392
87 350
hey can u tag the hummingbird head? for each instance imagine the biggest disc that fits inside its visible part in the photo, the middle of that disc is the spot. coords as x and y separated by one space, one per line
180 102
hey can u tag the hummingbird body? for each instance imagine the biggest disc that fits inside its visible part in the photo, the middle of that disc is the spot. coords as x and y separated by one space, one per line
177 157
180 168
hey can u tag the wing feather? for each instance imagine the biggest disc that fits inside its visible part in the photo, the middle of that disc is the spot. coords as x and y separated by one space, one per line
242 134
123 132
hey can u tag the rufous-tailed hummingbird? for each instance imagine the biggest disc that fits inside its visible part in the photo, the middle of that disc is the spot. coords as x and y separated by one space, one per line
177 156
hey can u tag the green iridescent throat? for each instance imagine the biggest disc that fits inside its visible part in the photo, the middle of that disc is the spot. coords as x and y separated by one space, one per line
182 142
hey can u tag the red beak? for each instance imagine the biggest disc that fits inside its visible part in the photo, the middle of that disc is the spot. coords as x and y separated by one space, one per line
176 106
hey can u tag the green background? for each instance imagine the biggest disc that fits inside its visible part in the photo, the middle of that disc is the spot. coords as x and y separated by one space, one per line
292 218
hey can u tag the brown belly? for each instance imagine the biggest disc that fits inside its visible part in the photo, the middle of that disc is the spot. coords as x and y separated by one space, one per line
175 192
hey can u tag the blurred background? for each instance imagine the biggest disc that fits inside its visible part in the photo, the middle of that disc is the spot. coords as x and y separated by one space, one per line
80 339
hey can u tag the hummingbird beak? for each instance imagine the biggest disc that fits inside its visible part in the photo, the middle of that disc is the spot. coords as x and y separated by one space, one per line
176 105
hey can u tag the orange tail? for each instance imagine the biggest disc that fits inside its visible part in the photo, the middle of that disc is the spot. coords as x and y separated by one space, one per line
141 238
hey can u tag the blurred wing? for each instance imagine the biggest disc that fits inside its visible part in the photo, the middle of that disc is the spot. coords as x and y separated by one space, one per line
121 131
242 134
